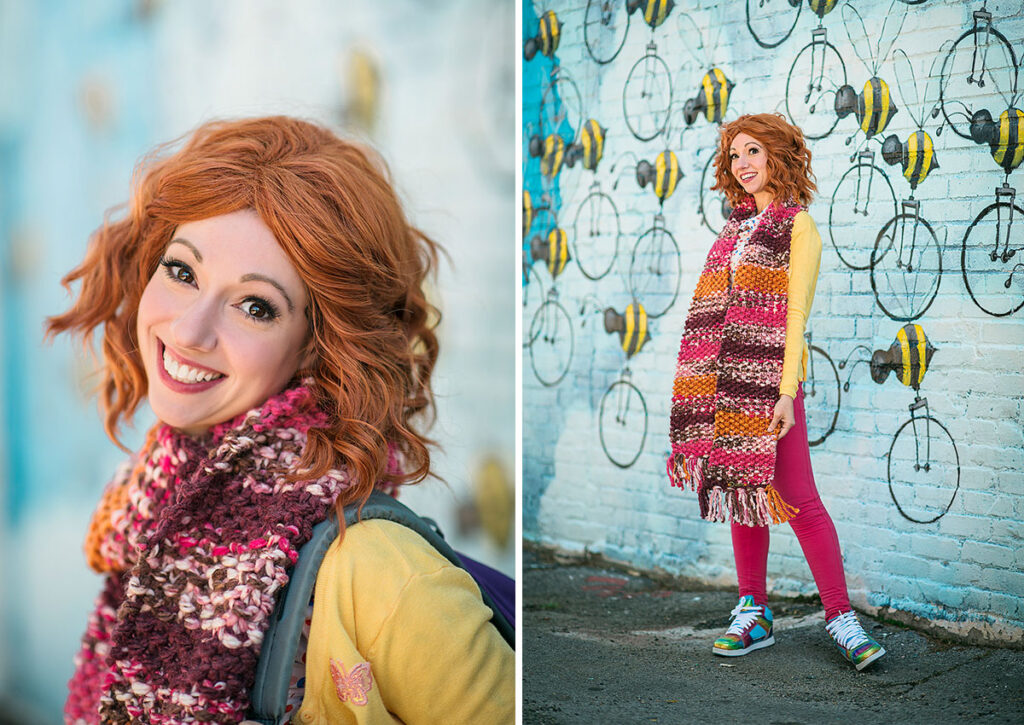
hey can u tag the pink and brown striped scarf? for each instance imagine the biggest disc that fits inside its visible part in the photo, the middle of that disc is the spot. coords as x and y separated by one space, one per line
728 374
198 540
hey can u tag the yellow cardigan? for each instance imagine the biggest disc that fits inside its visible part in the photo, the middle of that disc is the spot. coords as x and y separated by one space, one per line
399 634
804 263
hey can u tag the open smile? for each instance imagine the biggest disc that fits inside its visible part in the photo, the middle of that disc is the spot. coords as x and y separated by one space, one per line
747 177
182 375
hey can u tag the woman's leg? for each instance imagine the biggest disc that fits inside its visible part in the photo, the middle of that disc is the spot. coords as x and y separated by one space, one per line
794 480
750 549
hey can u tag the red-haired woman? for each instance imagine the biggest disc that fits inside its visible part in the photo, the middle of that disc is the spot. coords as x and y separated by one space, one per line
264 294
738 431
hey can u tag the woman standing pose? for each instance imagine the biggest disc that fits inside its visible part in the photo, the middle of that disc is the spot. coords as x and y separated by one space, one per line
738 431
264 294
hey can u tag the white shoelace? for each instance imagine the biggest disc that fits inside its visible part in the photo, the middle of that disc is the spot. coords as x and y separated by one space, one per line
846 630
745 616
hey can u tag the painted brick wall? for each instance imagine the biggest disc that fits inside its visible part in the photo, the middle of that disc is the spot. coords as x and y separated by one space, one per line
962 571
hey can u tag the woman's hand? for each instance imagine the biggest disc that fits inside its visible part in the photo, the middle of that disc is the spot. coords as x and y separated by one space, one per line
784 418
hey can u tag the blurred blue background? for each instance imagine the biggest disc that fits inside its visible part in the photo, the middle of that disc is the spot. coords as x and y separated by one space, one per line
88 88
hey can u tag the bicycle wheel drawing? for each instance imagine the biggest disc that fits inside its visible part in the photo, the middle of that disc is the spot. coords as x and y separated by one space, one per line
818 71
622 424
906 267
605 25
863 199
561 108
765 25
647 96
992 268
596 232
655 270
714 208
533 296
966 73
822 396
551 345
923 470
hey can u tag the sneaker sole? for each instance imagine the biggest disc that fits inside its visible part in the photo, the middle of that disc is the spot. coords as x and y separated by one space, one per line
747 650
870 659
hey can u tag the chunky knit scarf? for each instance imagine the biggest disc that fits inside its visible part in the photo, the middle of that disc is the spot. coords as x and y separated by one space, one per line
728 374
197 540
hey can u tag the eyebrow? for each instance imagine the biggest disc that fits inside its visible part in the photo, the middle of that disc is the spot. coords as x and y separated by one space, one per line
251 277
256 277
748 143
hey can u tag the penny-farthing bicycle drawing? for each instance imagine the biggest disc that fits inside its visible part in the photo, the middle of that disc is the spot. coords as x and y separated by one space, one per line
606 24
596 228
771 22
991 258
647 95
550 334
814 79
863 199
714 208
906 263
923 465
822 397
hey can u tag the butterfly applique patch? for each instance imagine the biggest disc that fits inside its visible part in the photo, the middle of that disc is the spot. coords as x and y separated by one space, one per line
352 686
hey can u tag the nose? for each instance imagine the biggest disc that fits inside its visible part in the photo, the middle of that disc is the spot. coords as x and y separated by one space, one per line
196 326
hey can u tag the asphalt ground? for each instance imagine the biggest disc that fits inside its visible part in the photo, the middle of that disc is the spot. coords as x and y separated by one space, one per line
603 644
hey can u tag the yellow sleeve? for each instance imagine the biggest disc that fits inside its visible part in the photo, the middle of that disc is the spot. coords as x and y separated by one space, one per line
386 597
804 263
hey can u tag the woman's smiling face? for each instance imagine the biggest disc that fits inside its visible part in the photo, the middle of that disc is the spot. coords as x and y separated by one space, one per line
749 163
222 323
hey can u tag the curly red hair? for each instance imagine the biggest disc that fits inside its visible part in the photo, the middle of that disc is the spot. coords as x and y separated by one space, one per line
789 159
333 210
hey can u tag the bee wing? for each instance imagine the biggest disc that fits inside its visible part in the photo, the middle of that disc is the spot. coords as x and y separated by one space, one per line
934 82
861 46
891 27
693 38
906 84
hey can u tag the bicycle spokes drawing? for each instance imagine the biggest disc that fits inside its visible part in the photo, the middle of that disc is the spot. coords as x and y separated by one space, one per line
647 95
622 418
714 208
551 341
992 256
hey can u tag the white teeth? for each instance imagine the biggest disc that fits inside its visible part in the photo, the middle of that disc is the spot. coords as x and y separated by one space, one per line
185 374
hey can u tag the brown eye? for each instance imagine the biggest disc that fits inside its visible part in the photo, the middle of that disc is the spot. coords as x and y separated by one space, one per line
259 310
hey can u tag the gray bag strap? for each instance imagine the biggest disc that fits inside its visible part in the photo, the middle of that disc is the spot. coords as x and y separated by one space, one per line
269 694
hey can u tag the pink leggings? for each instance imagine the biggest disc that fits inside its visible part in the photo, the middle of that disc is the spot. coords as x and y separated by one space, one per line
794 481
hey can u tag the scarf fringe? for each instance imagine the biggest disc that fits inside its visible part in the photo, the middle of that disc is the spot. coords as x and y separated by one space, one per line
687 473
758 507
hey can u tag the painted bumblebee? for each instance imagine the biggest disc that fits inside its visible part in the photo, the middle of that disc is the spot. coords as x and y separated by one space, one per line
631 326
527 212
916 156
551 152
1005 138
590 148
554 250
873 108
662 175
655 11
712 99
908 357
821 8
549 34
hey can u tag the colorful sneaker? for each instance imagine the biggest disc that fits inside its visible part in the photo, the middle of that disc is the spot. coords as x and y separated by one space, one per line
751 629
853 641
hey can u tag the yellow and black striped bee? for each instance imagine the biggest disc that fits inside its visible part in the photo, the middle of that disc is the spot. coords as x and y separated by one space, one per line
1005 139
655 11
663 174
549 34
873 108
712 99
908 357
551 152
821 8
590 148
631 326
554 250
916 156
527 212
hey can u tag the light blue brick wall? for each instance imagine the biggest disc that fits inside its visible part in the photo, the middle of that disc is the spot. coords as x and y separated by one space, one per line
963 571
